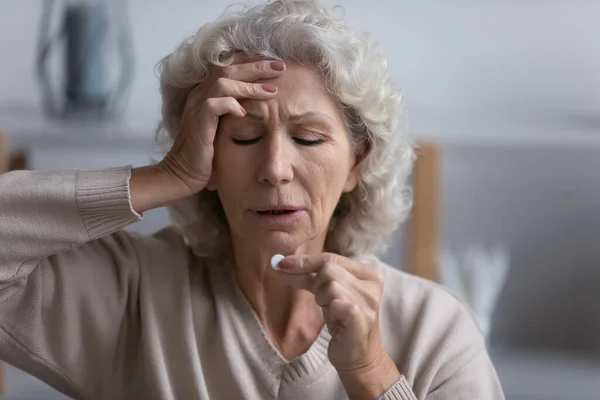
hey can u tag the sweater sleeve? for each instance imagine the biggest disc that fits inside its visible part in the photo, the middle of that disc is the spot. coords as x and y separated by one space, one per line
477 379
399 391
435 341
68 276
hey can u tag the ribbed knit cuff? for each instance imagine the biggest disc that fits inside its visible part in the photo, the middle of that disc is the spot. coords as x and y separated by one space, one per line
400 391
103 200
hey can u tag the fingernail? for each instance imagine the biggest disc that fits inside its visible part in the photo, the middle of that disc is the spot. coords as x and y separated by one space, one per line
243 110
269 88
277 65
286 263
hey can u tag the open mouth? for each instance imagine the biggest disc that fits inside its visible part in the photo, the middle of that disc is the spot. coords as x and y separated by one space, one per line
275 212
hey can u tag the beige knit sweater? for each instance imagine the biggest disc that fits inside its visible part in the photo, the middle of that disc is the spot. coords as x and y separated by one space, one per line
99 313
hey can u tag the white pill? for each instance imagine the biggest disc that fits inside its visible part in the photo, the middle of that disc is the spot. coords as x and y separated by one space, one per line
275 260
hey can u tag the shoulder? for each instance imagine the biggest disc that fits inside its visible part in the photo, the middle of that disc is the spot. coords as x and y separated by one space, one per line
424 324
170 270
419 297
166 248
166 239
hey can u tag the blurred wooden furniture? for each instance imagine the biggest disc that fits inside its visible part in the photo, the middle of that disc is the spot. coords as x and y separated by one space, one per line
9 161
423 230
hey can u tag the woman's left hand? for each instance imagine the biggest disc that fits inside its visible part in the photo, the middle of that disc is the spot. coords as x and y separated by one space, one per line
349 294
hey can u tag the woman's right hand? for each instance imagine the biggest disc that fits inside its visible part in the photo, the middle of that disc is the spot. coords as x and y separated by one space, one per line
190 159
187 167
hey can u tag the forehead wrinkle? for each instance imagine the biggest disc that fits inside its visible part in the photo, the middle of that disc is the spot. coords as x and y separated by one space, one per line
292 114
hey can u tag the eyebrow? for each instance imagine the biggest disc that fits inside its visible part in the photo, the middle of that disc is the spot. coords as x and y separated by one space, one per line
294 118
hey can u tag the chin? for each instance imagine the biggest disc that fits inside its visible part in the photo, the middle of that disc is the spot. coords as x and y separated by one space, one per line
279 243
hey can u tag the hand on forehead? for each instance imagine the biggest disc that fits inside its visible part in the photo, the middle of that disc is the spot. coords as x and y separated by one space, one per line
241 57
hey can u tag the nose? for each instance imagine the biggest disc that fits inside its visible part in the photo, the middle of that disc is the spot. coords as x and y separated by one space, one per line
276 159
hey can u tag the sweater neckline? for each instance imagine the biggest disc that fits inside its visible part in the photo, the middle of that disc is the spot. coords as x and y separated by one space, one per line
302 370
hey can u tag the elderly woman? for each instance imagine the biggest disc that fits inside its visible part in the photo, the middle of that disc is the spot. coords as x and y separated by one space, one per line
284 142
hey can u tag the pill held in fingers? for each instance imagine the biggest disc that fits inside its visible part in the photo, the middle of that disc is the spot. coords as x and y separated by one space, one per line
275 261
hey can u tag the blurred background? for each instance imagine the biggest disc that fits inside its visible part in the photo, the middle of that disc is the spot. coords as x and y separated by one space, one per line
504 96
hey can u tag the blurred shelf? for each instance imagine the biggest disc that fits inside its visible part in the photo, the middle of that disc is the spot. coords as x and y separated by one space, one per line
540 375
572 141
528 129
25 126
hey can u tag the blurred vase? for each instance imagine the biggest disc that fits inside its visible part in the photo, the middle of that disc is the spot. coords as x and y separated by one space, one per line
477 276
93 36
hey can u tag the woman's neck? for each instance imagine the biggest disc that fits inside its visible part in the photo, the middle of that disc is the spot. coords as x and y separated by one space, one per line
290 317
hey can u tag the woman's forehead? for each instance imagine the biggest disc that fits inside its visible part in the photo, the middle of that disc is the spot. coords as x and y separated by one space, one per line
299 90
295 110
295 115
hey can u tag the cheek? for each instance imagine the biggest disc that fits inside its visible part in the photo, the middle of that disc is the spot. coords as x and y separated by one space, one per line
335 164
327 175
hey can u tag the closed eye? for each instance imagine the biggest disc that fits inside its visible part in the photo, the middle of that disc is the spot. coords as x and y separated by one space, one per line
302 142
246 142
305 142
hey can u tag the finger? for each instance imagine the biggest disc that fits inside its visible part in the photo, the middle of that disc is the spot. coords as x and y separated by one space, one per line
333 273
369 291
344 312
301 264
225 87
300 282
325 295
207 119
333 280
209 115
240 57
253 71
219 106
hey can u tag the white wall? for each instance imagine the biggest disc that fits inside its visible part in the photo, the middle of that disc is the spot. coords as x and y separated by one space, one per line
466 66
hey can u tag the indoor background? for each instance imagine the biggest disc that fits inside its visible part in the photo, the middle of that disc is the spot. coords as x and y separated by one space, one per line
508 91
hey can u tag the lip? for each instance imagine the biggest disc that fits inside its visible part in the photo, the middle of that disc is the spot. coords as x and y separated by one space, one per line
276 208
274 220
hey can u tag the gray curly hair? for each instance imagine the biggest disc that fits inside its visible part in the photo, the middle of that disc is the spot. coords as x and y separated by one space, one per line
301 32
